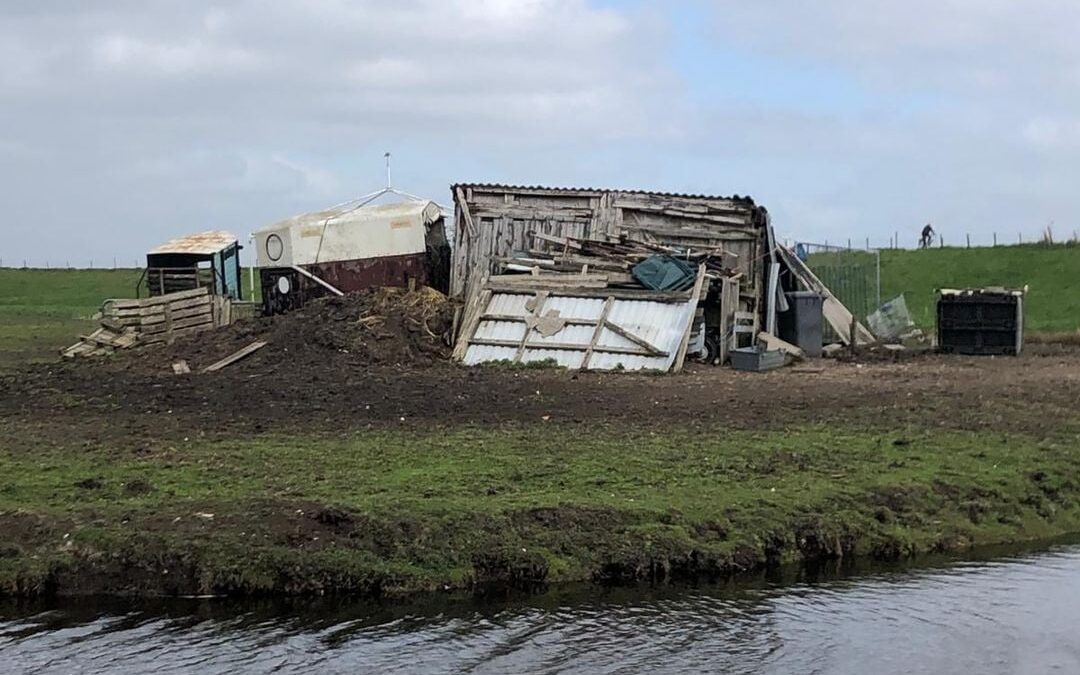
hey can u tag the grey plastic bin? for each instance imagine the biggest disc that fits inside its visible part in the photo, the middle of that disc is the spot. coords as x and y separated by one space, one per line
802 324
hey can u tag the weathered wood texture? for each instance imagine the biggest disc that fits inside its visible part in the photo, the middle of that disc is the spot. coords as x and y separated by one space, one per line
126 323
501 220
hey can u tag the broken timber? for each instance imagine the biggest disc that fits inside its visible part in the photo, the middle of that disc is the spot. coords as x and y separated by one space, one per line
125 323
235 356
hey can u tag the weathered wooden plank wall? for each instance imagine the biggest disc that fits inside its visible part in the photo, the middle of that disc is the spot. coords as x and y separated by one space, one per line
503 216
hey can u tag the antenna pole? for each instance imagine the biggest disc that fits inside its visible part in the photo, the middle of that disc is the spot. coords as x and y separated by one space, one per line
387 156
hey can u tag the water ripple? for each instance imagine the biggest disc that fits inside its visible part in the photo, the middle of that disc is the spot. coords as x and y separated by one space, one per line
1012 615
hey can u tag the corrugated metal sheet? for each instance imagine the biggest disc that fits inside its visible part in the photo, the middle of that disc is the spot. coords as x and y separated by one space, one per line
660 324
204 243
748 201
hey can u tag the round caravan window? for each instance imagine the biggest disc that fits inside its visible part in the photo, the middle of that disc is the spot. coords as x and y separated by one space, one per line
274 247
283 285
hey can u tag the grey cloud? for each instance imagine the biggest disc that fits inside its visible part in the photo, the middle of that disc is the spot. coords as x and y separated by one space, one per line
144 118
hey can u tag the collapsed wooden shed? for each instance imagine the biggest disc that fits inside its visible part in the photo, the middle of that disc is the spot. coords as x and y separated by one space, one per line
494 221
504 227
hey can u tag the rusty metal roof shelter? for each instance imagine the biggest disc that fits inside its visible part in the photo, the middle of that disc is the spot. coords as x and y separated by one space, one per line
204 260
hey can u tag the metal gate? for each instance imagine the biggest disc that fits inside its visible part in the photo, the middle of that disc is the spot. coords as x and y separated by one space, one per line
853 275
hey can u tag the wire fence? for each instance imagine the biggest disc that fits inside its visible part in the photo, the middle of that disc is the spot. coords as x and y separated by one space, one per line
853 275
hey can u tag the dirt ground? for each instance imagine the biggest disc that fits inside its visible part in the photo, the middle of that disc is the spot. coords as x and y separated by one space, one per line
380 360
123 403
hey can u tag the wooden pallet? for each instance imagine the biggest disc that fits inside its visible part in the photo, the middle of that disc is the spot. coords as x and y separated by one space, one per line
125 323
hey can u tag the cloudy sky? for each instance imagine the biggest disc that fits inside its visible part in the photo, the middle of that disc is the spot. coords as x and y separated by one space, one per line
125 122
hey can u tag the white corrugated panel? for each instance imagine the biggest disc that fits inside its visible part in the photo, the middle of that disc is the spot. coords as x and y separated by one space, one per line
346 233
660 324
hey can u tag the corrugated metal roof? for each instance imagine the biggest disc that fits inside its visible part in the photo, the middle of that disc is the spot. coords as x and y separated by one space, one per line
203 243
748 201
658 323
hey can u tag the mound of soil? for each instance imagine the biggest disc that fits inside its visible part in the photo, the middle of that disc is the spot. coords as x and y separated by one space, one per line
384 326
380 325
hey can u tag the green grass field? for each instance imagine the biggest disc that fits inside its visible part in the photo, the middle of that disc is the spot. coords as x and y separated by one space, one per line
1052 274
405 511
42 311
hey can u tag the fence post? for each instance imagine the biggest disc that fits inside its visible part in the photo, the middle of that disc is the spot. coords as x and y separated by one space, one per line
995 239
896 240
868 243
968 240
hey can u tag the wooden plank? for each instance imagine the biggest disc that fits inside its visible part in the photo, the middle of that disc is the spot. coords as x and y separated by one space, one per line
684 344
166 326
152 319
463 204
559 346
641 342
516 318
597 280
773 343
235 356
597 293
477 305
153 338
101 338
729 304
608 304
537 311
561 241
156 308
124 303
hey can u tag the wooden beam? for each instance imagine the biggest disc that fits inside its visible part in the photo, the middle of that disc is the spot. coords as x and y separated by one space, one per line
559 346
235 356
537 310
522 319
475 308
608 304
597 293
695 296
641 342
465 214
561 241
773 343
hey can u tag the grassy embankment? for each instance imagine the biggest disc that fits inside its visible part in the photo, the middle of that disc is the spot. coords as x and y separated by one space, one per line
385 512
401 511
1051 272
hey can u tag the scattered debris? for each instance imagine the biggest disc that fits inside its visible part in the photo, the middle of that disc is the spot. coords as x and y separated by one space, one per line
181 367
835 349
773 343
235 356
891 320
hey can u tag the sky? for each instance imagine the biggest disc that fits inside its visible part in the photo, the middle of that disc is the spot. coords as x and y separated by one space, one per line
124 123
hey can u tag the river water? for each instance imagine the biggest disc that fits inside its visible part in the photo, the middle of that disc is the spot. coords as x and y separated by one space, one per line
1013 613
